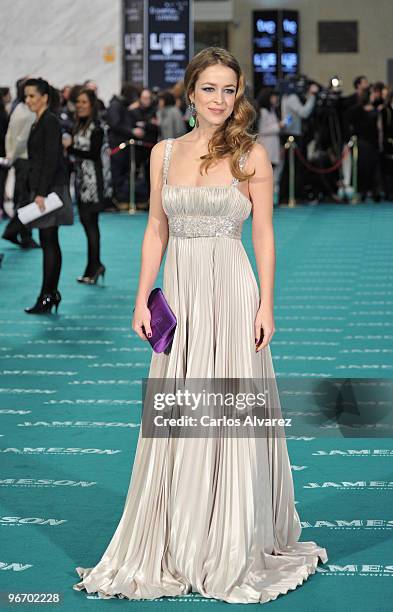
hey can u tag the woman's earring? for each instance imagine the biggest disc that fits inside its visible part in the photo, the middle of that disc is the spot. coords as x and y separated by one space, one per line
192 110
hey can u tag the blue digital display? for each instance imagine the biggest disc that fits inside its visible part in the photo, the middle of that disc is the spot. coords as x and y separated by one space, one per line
275 46
265 61
289 62
265 25
289 44
290 26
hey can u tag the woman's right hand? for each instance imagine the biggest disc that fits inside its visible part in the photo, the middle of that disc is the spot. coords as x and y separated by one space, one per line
142 317
40 201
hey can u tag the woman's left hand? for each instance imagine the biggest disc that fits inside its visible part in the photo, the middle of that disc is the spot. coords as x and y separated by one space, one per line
264 327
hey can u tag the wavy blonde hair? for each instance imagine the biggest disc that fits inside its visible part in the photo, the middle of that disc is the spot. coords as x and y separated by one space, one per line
232 137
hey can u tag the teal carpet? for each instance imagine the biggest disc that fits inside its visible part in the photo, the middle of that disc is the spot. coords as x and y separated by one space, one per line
70 393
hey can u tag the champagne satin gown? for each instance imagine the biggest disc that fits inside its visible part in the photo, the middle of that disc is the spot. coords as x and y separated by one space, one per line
214 516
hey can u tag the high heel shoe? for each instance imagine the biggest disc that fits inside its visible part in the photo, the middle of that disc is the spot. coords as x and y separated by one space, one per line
82 279
92 280
45 303
57 299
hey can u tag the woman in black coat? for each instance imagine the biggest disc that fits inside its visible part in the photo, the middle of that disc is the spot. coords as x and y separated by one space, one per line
4 120
86 149
47 174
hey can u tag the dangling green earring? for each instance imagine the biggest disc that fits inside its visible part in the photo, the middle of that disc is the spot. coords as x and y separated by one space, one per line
192 109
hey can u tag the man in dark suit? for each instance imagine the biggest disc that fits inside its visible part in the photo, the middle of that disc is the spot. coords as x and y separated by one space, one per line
121 129
144 117
360 85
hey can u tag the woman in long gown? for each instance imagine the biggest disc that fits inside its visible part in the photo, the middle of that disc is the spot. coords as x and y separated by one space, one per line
213 515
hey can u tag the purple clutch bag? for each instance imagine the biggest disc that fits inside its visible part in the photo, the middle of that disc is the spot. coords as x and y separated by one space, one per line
163 321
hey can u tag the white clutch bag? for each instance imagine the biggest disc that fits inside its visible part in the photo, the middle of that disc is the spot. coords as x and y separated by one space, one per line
31 212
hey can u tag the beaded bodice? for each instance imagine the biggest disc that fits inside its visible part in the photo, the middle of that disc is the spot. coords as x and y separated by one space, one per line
204 210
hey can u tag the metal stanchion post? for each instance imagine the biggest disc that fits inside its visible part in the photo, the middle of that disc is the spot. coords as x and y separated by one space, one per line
290 146
355 157
132 204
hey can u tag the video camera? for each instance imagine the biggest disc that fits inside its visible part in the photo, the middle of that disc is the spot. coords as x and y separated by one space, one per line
297 84
329 96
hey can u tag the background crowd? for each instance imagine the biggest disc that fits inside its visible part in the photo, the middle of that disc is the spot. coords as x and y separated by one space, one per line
321 120
69 142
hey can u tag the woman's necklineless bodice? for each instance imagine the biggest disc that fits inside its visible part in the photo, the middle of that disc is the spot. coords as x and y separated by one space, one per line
216 187
203 211
233 184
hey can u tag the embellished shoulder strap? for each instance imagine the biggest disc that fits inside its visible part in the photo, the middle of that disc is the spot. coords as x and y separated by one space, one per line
242 162
167 157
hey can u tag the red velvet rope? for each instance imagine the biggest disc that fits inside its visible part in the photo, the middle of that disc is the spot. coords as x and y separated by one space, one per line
322 170
138 143
149 145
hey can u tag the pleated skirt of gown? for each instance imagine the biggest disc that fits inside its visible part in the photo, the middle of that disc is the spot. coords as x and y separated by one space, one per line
215 516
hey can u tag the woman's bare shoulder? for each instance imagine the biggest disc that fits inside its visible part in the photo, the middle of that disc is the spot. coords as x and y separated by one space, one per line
258 160
159 148
257 153
157 154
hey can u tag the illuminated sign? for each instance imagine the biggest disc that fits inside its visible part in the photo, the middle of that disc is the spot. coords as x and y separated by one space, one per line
170 41
133 34
157 41
275 46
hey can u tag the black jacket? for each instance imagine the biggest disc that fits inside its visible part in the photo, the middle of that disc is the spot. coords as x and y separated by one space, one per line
119 120
46 159
144 115
363 123
4 120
